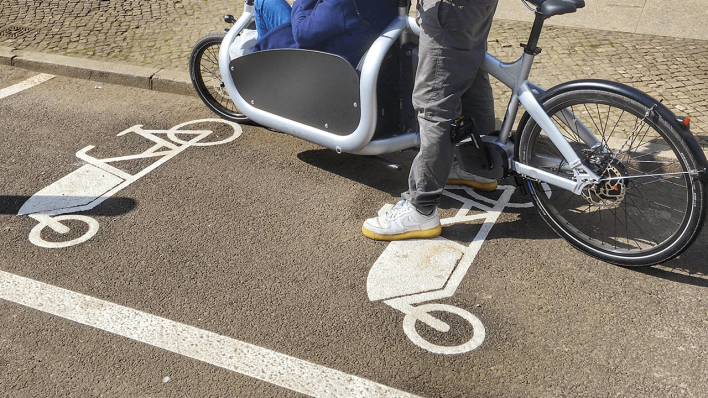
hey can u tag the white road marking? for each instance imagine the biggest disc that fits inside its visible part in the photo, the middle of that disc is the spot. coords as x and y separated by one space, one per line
45 221
416 271
97 180
244 358
476 325
31 82
415 266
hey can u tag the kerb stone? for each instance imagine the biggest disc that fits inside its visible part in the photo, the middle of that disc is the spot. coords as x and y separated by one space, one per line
6 55
107 72
173 81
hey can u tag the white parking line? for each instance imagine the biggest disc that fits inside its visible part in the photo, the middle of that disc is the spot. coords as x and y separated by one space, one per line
238 356
31 82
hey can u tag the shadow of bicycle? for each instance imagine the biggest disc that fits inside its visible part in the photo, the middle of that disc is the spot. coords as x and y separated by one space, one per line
114 206
690 268
525 224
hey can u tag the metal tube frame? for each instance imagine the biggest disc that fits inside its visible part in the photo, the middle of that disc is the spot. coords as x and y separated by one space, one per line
514 75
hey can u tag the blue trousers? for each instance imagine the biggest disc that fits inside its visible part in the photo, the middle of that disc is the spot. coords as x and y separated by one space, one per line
270 14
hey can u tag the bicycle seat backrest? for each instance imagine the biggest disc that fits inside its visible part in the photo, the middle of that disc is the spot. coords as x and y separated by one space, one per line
549 8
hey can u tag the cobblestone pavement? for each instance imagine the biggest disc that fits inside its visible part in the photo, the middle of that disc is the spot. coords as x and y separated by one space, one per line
160 33
672 69
157 33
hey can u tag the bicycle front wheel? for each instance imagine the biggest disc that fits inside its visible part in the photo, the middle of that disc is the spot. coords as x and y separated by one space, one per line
649 205
206 78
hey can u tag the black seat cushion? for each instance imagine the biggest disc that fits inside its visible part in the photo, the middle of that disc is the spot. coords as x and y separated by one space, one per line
550 8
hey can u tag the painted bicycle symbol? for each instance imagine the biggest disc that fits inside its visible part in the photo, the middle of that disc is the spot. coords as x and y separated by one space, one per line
97 180
418 271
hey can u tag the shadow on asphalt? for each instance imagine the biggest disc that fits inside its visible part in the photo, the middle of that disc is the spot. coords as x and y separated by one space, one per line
113 206
365 170
679 276
373 173
689 268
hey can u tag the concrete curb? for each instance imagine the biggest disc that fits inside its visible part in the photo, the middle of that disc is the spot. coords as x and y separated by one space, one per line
172 81
165 80
6 55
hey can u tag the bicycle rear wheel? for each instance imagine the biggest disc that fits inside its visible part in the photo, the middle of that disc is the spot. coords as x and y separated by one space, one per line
206 78
649 205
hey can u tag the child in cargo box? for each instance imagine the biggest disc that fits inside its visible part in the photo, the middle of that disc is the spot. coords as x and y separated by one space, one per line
343 27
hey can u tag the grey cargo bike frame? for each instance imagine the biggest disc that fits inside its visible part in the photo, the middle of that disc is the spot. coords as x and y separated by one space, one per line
514 75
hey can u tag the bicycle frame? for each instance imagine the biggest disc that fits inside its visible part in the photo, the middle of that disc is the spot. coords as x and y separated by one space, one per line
358 142
514 75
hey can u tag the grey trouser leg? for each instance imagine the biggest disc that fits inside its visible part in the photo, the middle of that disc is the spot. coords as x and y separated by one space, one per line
478 103
453 42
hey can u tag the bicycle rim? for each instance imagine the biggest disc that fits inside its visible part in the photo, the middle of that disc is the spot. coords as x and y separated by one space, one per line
647 207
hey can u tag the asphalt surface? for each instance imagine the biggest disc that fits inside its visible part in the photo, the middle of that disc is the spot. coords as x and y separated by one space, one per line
258 240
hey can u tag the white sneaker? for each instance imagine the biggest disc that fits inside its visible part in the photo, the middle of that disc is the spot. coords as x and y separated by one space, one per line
460 177
403 221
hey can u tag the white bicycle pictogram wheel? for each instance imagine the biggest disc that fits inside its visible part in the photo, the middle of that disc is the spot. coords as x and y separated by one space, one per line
172 132
476 340
35 235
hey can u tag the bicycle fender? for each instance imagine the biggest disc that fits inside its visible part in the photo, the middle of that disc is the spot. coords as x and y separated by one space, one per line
637 95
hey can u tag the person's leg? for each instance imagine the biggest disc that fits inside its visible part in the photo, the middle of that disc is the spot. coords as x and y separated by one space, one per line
477 103
270 14
452 46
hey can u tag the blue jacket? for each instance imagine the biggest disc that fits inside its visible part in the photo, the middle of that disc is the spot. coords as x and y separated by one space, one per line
332 26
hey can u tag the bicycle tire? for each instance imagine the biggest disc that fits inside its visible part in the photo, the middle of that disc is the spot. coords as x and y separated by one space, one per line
206 78
650 205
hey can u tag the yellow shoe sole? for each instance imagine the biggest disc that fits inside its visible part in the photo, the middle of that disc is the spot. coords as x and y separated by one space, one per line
421 234
482 186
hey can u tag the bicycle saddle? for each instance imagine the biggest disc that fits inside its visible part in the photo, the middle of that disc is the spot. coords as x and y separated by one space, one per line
549 8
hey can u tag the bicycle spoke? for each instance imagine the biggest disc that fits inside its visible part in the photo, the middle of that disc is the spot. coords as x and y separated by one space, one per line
640 228
647 210
204 67
640 196
212 55
614 128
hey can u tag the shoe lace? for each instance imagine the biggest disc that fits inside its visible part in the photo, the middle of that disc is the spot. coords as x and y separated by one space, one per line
401 207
